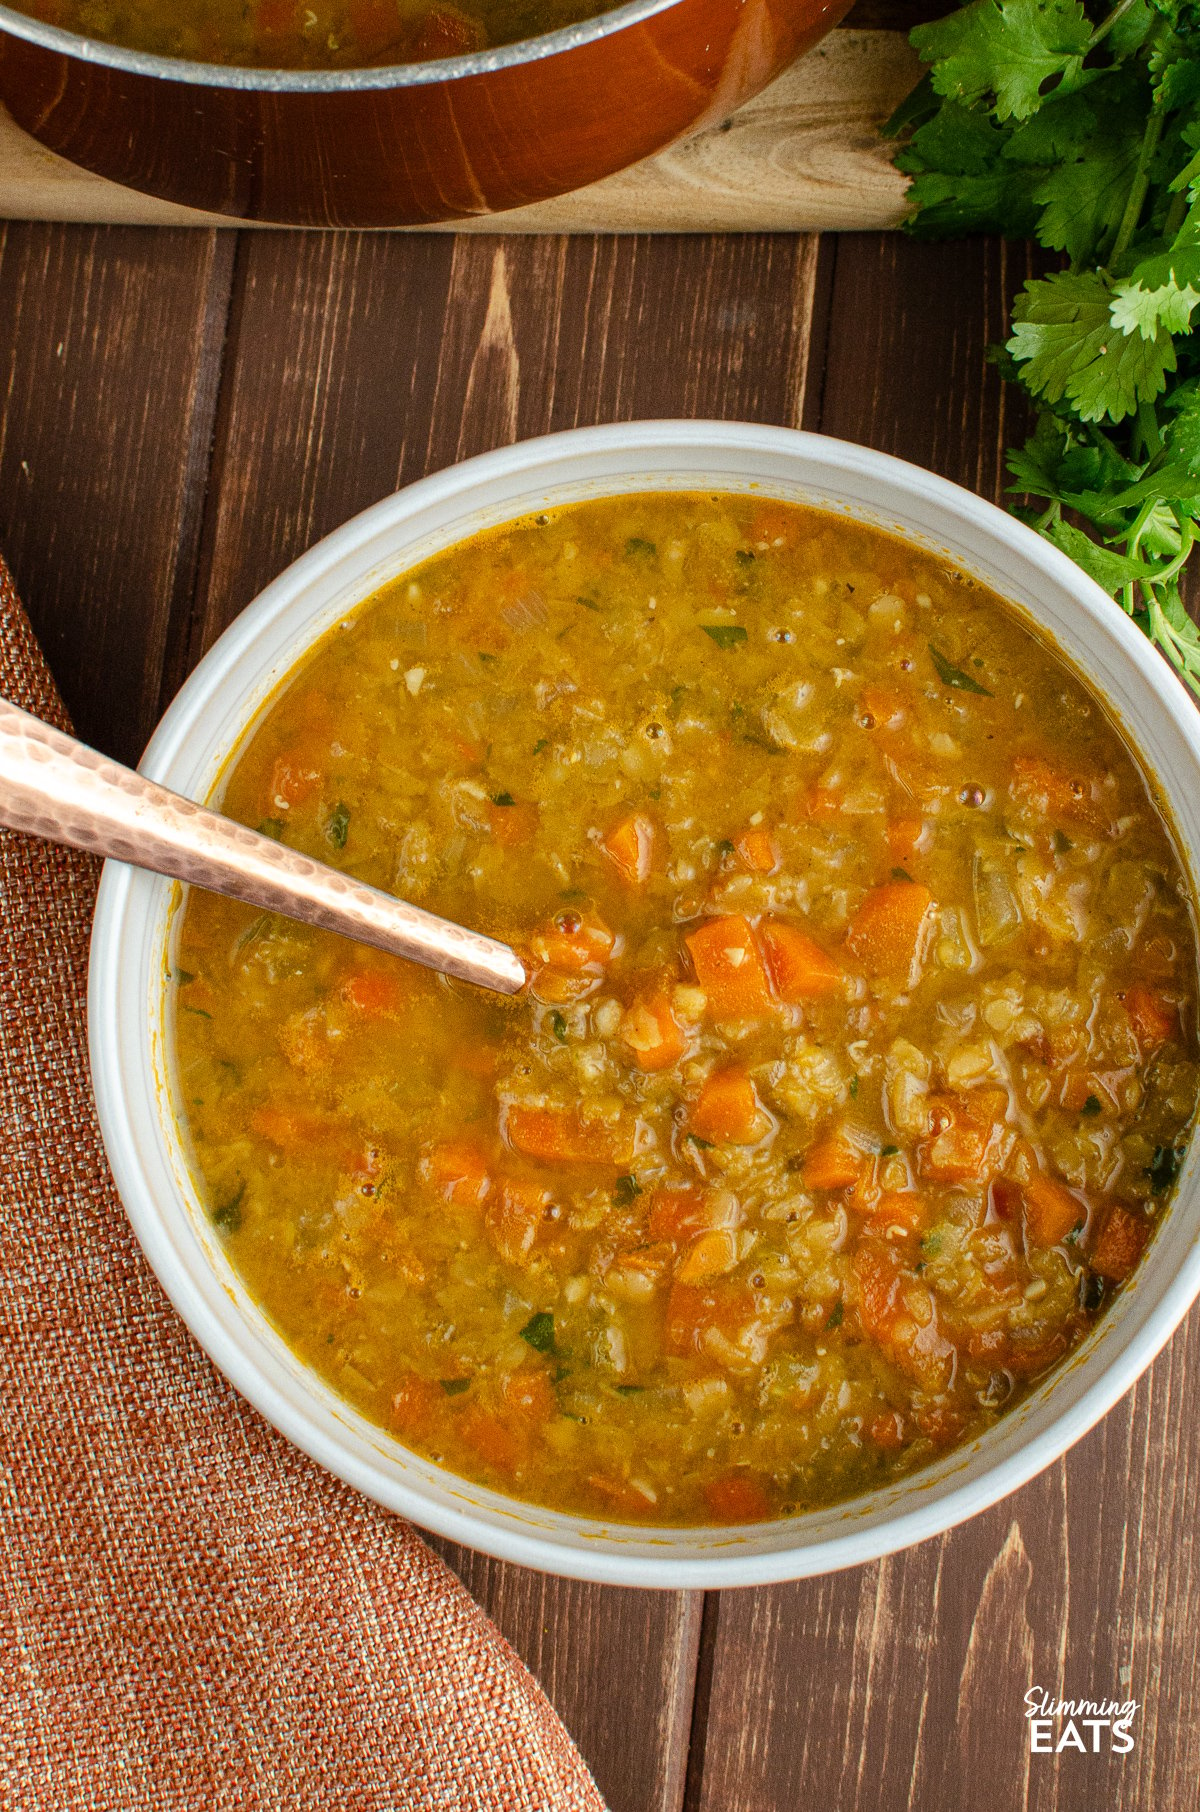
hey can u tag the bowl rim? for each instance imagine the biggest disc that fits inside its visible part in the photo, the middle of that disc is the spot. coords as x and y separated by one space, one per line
935 1511
252 80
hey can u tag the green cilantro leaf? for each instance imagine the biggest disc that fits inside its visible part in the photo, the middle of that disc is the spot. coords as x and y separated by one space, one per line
337 825
1149 311
724 634
1164 1167
1082 201
953 676
538 1332
1064 341
1082 129
1007 48
227 1215
1110 569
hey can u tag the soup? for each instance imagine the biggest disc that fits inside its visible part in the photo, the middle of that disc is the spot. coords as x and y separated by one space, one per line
311 34
859 1051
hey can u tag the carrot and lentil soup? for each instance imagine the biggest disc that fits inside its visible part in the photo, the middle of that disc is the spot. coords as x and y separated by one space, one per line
859 1052
311 34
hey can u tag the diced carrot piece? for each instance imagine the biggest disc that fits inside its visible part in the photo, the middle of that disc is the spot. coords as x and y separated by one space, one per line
681 1213
528 1392
729 968
513 1215
1119 1245
630 845
574 941
1051 1211
498 1441
1008 1198
832 1163
737 1497
955 1154
727 1111
878 1275
287 1127
1154 1020
775 525
650 1030
376 993
964 1134
729 1310
712 1255
458 1170
416 1405
891 929
824 803
884 707
561 1136
799 968
1055 793
512 825
756 849
896 1208
293 780
905 837
887 1430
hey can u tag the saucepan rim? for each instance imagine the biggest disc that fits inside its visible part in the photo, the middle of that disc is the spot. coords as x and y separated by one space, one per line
331 81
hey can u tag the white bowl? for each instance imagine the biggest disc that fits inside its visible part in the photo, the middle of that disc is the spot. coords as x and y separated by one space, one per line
128 999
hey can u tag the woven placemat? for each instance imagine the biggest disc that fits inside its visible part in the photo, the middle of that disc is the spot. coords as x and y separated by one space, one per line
193 1615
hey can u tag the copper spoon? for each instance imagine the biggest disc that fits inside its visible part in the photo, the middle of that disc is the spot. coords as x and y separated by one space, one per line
55 787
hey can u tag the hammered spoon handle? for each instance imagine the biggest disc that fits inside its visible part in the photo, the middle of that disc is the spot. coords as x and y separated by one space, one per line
54 787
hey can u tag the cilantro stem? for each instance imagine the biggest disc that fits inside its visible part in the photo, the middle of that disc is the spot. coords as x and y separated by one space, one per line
1147 422
1134 539
1105 26
1186 544
1176 213
1185 659
1136 198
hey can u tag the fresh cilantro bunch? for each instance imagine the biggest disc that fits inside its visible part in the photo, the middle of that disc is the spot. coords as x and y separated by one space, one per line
1039 118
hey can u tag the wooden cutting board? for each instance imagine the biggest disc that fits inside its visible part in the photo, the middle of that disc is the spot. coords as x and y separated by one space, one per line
804 156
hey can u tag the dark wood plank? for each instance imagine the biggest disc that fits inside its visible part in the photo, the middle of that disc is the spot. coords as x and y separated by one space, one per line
359 363
355 364
110 350
619 1665
901 1685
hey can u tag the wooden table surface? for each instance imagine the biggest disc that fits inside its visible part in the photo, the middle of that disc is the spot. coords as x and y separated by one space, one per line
183 412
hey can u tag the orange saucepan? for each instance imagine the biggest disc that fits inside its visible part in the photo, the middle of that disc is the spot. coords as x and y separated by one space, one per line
407 145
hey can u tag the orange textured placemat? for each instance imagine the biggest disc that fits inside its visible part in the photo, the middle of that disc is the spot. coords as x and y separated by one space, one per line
193 1615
